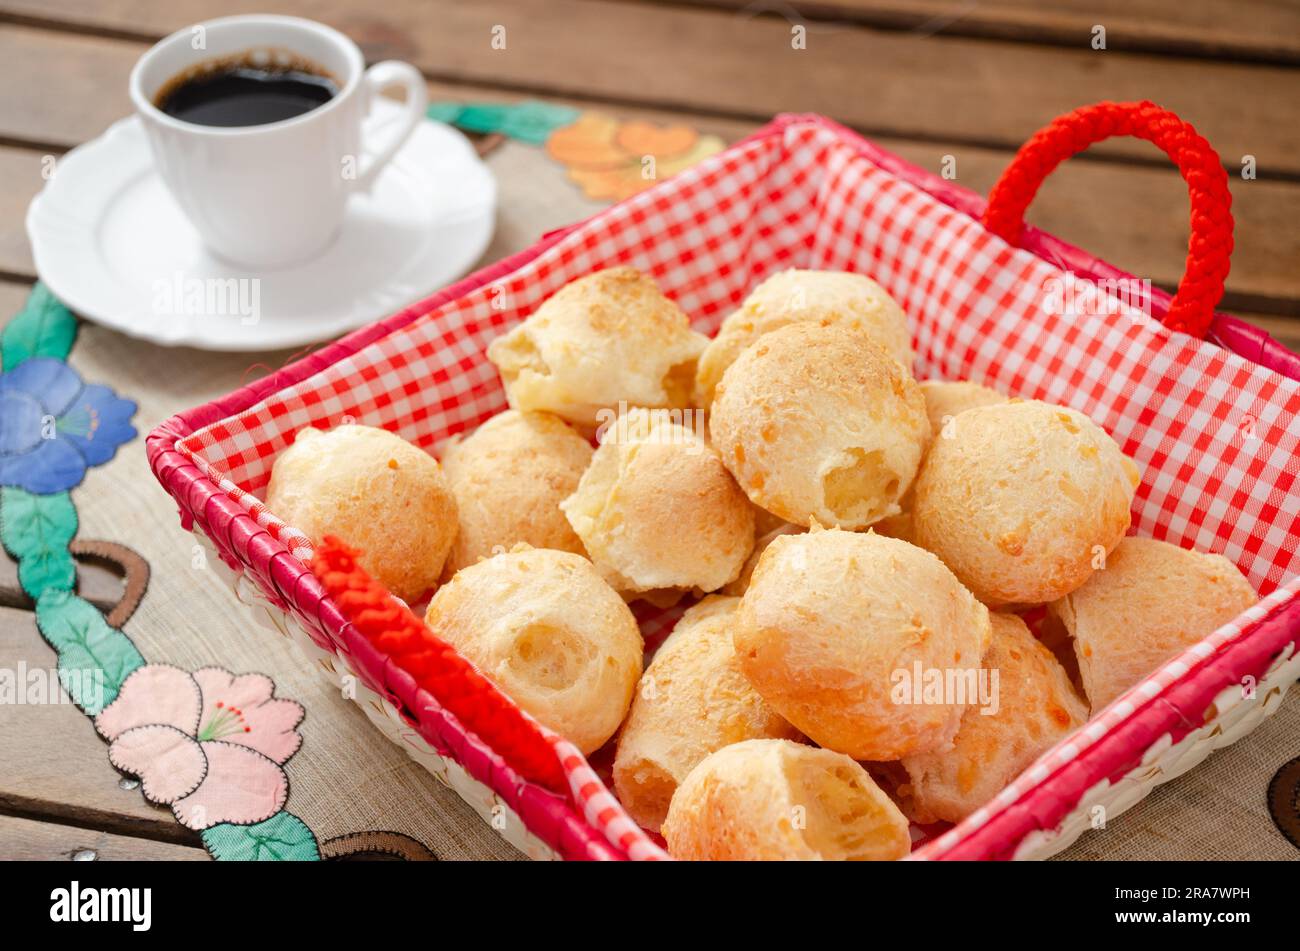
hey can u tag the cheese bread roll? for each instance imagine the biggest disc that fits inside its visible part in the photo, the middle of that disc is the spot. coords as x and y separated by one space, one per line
765 522
830 622
692 700
773 800
1149 602
764 539
608 338
1029 707
376 492
658 509
794 296
946 399
820 423
1022 500
509 478
545 627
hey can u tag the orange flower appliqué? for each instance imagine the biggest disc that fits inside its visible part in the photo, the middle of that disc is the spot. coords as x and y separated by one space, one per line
612 160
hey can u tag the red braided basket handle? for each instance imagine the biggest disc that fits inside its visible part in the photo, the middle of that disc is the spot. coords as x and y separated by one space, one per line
1210 247
436 666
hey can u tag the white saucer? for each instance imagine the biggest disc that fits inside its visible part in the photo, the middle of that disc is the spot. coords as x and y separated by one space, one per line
110 242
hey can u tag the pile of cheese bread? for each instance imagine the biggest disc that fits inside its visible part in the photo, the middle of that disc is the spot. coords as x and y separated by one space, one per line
854 550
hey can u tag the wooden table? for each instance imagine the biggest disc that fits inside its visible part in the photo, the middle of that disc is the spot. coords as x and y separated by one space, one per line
929 79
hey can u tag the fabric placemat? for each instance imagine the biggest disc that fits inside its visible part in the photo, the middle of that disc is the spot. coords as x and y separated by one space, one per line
354 790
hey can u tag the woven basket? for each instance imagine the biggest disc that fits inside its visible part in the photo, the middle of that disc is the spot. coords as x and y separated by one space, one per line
1211 424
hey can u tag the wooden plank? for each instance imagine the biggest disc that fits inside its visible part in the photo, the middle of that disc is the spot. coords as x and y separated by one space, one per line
20 170
104 64
57 114
976 91
1133 216
34 841
55 765
1252 30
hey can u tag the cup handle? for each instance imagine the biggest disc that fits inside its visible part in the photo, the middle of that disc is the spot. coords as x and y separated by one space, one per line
378 78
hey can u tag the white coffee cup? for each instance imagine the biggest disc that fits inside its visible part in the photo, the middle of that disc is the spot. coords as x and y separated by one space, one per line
272 195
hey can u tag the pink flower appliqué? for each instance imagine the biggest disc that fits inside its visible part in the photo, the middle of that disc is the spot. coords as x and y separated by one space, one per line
209 744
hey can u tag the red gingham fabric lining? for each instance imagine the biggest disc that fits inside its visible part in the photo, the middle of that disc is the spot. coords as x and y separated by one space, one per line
1215 436
601 809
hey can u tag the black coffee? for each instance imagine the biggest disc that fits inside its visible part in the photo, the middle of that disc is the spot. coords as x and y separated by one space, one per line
239 92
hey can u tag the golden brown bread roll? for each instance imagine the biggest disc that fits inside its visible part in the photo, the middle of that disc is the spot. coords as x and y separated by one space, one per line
1031 706
658 509
1151 601
945 399
1021 498
544 627
777 800
692 700
822 297
509 478
608 337
764 539
831 617
375 491
820 423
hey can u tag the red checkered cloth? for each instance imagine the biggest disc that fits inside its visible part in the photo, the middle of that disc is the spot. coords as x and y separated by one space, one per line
1215 435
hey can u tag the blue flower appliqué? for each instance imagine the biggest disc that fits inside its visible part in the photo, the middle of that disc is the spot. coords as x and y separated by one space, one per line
53 427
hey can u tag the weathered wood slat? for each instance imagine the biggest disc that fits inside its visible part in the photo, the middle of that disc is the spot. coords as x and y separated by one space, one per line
1135 217
31 840
77 80
977 91
1257 30
20 170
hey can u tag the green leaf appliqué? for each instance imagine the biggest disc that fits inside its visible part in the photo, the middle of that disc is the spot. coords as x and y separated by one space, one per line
529 121
43 328
94 658
282 838
36 530
446 112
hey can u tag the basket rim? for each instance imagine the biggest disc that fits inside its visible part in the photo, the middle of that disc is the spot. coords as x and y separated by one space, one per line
289 582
